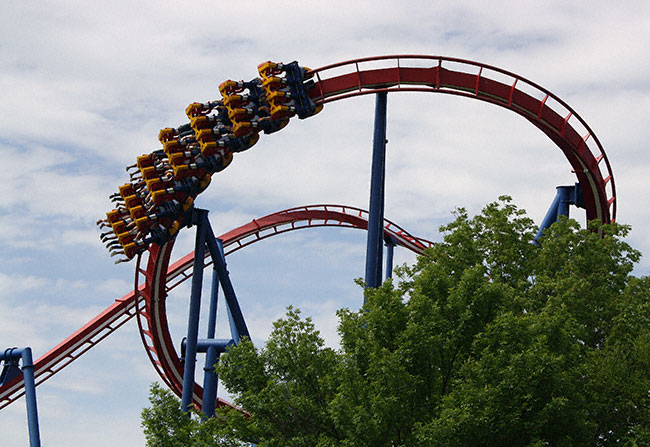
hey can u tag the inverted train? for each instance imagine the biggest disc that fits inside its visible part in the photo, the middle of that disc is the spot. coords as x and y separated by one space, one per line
157 200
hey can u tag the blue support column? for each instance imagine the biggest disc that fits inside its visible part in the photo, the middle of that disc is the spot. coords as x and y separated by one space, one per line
238 327
30 396
201 221
191 345
564 196
380 246
550 217
376 209
390 246
210 379
12 355
564 193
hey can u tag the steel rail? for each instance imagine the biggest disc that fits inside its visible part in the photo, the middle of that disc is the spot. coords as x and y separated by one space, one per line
460 77
158 282
414 73
132 304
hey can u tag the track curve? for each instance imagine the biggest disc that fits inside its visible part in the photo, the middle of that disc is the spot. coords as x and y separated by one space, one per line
459 77
70 349
160 279
453 76
155 336
416 73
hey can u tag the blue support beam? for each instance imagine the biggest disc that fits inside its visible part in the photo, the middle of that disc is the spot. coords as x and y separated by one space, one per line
564 197
564 193
201 221
205 344
390 246
376 209
11 357
210 378
211 346
238 327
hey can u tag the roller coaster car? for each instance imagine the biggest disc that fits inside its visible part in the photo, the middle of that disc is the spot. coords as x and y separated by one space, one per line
116 215
155 203
182 158
230 87
268 68
125 238
209 135
279 96
175 146
130 250
273 83
165 195
119 227
158 183
151 172
127 190
137 212
242 113
144 161
270 125
133 201
182 172
144 224
196 109
203 122
296 73
167 134
245 128
234 101
282 111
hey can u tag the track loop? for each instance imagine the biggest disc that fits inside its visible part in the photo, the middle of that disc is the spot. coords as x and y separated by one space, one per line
161 278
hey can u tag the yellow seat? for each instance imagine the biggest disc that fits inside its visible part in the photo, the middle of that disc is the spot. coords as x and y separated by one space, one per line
166 134
194 109
230 87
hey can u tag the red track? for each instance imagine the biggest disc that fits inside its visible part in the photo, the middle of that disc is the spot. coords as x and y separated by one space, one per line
160 279
433 74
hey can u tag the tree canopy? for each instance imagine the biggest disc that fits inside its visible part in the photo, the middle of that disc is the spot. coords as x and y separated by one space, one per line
489 339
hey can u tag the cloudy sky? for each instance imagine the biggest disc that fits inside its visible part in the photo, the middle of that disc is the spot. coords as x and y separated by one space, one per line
85 88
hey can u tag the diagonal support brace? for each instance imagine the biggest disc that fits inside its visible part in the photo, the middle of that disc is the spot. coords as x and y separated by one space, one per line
565 196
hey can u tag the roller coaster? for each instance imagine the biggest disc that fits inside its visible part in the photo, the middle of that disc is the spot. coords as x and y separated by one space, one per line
158 200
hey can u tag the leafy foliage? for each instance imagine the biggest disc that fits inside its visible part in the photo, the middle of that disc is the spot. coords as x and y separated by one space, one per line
166 425
488 340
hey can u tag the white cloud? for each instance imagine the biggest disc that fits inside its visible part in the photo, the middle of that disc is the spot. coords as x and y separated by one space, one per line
86 89
10 285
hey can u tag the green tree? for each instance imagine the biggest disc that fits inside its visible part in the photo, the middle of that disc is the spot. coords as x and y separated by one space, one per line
166 425
488 340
